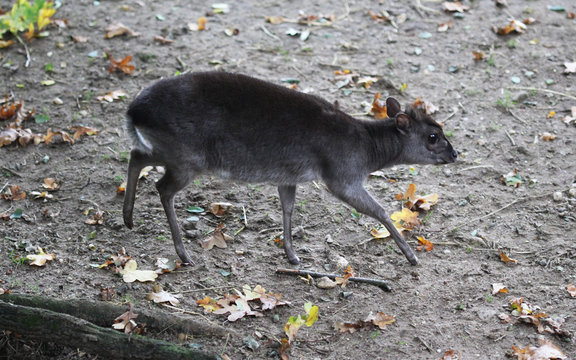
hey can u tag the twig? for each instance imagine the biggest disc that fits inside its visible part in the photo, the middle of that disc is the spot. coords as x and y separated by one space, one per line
204 289
501 209
245 216
27 63
422 7
517 117
542 90
267 32
449 115
510 138
11 171
475 167
377 282
425 344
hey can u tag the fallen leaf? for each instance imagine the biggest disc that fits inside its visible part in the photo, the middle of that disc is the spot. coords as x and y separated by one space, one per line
551 114
111 96
295 322
40 258
81 131
380 319
79 39
424 244
126 321
547 350
514 26
343 281
96 219
546 136
118 29
274 20
513 178
478 55
567 119
220 208
505 259
217 238
570 68
164 265
571 288
162 40
455 6
13 193
130 274
121 65
499 288
443 27
409 219
379 107
50 184
163 296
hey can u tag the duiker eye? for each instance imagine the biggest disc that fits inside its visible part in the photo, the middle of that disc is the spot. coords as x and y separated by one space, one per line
433 138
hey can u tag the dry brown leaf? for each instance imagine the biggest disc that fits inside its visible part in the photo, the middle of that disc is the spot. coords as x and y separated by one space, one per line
82 130
505 259
118 29
478 55
217 238
13 193
122 65
126 321
409 219
220 208
571 288
380 319
547 350
107 294
343 281
546 136
79 39
424 244
50 184
379 107
499 288
514 26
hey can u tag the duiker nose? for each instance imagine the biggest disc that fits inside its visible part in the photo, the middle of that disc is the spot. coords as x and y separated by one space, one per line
454 154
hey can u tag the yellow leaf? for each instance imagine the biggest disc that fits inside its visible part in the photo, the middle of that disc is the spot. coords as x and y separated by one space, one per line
130 274
41 258
44 16
312 316
409 218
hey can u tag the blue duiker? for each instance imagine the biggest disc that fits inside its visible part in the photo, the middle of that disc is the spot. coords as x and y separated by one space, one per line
242 128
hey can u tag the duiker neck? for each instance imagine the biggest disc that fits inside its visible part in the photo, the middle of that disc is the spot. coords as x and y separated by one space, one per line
385 144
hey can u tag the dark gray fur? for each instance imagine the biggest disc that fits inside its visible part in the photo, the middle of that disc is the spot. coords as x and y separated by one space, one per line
246 129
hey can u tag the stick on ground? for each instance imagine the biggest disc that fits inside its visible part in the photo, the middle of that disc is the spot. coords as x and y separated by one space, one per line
377 282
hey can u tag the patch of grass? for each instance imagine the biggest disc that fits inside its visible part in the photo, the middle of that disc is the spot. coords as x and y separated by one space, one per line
489 298
124 156
17 259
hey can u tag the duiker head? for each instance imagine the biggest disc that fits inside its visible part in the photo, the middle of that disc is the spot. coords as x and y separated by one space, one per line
423 138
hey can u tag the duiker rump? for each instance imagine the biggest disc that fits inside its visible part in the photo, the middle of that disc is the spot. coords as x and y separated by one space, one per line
242 128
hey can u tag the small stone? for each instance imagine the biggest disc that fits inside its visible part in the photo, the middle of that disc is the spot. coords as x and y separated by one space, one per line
325 283
57 101
251 343
329 239
557 196
572 192
340 262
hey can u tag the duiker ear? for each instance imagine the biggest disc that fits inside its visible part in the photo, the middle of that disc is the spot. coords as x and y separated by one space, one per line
392 107
403 123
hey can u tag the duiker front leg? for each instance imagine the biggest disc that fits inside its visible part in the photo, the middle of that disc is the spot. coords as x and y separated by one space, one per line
168 186
287 196
356 196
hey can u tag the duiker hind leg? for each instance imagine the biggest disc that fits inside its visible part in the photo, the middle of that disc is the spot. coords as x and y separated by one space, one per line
138 160
356 196
287 195
172 182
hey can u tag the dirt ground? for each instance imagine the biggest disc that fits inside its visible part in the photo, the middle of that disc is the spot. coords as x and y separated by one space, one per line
495 110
